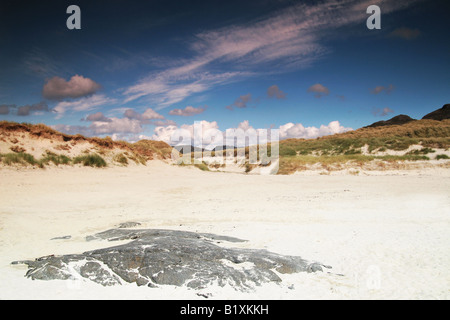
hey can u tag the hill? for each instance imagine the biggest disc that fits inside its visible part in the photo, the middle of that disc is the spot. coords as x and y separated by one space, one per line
439 114
394 143
400 119
40 145
380 147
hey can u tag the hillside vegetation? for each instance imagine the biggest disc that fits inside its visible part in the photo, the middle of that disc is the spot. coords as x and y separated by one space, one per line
39 145
413 141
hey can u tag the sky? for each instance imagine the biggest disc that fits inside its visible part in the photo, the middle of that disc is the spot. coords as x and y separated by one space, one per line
142 69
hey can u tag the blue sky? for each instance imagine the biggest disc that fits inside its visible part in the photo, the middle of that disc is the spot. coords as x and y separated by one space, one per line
141 69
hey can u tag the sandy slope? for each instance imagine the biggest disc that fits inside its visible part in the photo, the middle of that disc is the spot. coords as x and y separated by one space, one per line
386 236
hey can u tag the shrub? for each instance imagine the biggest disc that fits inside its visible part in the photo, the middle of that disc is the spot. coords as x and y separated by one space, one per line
91 160
287 151
20 158
57 159
120 158
202 166
442 156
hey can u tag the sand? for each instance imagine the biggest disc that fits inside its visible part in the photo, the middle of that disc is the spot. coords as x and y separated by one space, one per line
386 235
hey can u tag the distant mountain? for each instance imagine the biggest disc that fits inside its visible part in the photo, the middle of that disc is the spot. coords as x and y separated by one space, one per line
187 148
439 114
397 120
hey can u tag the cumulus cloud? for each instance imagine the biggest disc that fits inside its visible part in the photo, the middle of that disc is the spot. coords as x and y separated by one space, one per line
291 130
5 108
24 110
240 102
207 134
275 92
319 90
148 114
163 133
188 111
195 134
379 89
405 33
164 123
98 116
116 125
78 86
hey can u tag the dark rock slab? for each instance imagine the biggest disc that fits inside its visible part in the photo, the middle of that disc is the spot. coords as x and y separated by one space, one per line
167 257
62 238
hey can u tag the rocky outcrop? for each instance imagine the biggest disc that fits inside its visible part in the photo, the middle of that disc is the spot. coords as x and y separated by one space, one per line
168 257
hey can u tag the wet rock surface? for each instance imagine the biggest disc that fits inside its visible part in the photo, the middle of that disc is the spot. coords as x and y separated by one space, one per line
168 257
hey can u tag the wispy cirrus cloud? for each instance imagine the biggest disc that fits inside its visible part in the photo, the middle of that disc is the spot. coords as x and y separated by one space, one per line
83 104
288 39
39 63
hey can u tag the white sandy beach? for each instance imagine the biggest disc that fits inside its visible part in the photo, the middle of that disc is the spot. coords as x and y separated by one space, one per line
386 236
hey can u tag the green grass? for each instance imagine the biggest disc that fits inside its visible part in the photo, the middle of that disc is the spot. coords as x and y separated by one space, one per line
90 160
57 159
332 145
202 166
291 164
442 156
121 158
20 158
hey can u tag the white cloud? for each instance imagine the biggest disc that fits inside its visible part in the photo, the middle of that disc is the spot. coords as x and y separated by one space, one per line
116 126
150 114
83 104
171 87
291 130
164 133
208 134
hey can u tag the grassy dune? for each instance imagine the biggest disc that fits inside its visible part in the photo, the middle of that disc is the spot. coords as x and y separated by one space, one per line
364 145
98 153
